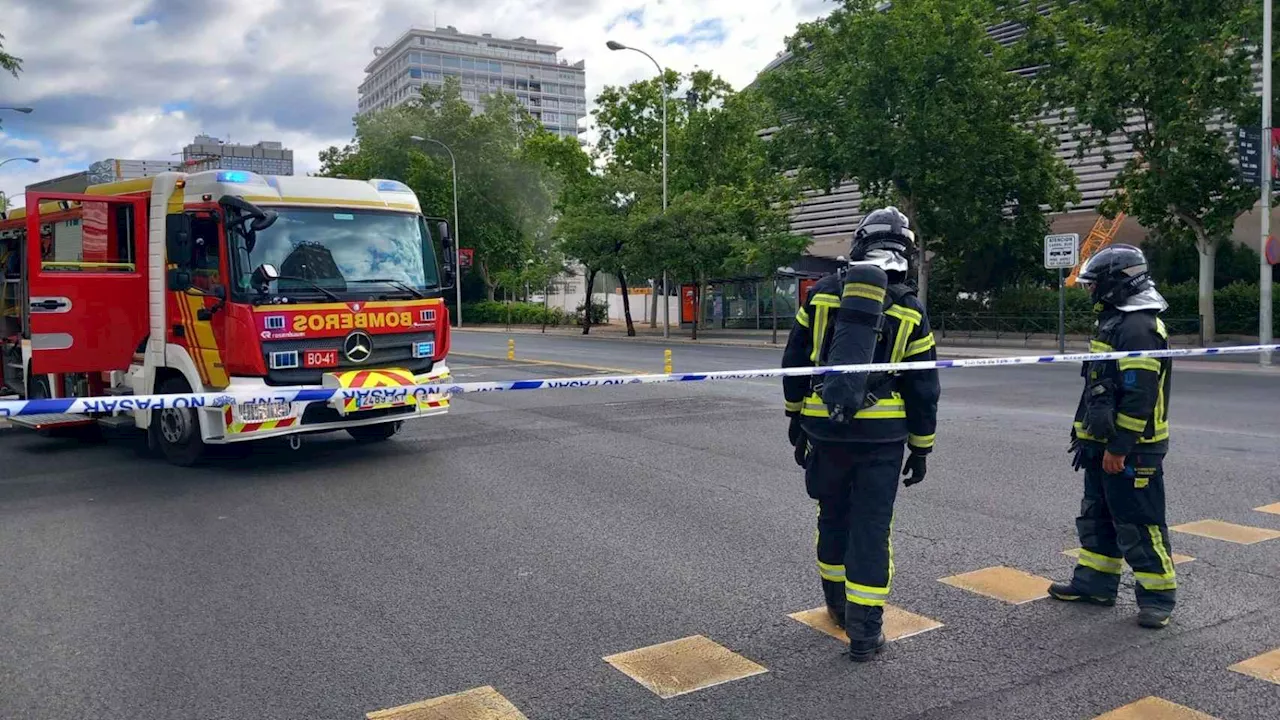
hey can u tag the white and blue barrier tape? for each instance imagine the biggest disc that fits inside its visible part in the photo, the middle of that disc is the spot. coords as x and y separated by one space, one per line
399 394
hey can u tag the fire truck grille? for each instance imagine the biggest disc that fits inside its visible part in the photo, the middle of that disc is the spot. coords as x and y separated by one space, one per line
388 351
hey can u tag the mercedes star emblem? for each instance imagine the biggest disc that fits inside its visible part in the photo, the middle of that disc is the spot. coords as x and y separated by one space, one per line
358 346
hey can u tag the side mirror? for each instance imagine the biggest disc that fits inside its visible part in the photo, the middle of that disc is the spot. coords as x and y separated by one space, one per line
263 276
178 239
179 280
442 229
268 219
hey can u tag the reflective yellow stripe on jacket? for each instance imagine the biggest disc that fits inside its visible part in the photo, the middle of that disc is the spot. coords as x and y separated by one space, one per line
888 408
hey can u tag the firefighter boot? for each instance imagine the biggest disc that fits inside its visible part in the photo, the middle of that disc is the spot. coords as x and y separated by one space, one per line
1154 618
863 625
1070 593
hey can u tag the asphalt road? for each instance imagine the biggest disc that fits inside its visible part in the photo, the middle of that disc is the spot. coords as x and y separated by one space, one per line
518 541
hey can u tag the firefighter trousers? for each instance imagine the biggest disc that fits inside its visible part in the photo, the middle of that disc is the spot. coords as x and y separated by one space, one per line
855 485
1122 519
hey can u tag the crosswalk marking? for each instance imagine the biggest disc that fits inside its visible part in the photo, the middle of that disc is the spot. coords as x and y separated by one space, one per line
1264 667
1002 583
1177 558
482 703
1230 532
1154 708
683 666
899 624
1273 508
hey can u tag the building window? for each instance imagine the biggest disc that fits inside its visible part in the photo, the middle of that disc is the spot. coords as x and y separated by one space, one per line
415 73
468 64
509 83
452 62
522 84
430 58
535 86
468 78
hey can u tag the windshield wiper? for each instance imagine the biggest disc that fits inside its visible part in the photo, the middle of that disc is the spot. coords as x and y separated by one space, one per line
332 295
395 283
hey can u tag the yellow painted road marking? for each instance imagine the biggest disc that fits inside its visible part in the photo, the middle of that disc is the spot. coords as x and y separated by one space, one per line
1178 558
1230 532
683 666
482 703
1154 708
1264 667
1002 583
898 623
1273 508
553 363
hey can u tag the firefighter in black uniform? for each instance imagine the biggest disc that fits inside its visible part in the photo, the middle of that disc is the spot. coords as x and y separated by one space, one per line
849 429
1120 437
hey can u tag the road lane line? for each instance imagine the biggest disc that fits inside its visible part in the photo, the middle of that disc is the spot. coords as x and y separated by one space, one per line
482 703
683 666
899 624
1264 667
1002 583
1273 508
1230 532
1154 708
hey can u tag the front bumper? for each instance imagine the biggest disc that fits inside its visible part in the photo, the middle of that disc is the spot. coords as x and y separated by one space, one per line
225 425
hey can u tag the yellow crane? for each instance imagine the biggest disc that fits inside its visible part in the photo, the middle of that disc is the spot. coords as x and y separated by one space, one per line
1103 234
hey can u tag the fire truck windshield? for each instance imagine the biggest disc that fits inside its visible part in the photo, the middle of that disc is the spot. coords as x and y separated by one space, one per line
348 253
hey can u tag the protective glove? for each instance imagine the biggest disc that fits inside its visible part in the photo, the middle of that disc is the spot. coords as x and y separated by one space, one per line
1077 450
795 433
802 452
914 469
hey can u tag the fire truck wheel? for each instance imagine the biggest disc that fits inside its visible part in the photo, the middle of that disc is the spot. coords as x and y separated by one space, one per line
374 433
38 388
176 431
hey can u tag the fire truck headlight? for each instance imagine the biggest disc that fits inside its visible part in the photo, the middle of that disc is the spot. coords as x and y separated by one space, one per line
259 412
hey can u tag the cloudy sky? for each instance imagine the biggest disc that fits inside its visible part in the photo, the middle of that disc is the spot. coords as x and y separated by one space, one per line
139 78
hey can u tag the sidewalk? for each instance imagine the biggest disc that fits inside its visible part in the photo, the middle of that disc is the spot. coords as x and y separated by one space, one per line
949 346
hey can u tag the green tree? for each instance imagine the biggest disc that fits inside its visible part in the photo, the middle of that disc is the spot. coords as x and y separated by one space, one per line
1170 77
719 174
9 63
916 104
506 190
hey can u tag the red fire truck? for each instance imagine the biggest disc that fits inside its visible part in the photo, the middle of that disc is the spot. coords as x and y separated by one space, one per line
225 281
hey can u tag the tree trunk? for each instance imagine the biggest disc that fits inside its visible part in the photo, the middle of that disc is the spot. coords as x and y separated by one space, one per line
1208 260
626 303
490 288
586 312
653 316
923 291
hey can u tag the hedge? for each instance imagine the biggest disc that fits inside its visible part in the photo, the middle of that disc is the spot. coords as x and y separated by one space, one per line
1035 310
489 312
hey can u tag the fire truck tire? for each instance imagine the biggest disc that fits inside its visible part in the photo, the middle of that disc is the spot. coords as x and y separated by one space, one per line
374 433
38 387
176 431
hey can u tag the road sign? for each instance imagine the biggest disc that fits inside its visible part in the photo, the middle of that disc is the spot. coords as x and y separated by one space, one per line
1061 251
465 257
1249 152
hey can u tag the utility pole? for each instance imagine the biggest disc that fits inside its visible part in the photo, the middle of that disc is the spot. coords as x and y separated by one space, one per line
1264 270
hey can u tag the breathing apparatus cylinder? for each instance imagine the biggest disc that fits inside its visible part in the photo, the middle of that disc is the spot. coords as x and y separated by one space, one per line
854 339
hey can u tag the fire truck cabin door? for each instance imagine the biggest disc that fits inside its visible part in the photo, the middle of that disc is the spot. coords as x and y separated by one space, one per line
87 275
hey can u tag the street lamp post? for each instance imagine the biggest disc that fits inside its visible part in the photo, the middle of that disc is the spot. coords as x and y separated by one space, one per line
28 159
662 80
457 232
1264 272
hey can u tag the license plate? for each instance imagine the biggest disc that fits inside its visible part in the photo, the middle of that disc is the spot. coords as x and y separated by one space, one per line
320 358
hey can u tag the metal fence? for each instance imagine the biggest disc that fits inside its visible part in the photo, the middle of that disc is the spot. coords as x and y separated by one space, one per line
1025 327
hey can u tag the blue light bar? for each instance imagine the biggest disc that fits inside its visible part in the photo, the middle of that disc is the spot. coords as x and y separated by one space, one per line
284 360
392 186
234 176
424 350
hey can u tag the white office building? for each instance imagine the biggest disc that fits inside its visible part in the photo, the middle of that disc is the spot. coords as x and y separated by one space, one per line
552 89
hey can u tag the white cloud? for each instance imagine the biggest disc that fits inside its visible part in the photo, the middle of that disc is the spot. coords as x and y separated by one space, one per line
139 78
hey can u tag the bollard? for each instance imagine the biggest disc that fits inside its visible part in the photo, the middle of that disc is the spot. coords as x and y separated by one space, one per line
511 349
666 361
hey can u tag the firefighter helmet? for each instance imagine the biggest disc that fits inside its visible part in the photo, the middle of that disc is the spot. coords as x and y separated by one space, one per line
1115 274
886 229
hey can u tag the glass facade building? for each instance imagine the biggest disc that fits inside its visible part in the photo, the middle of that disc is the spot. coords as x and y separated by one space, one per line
551 89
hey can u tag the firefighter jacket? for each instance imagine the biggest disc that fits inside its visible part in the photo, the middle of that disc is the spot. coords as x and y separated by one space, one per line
1125 403
906 404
